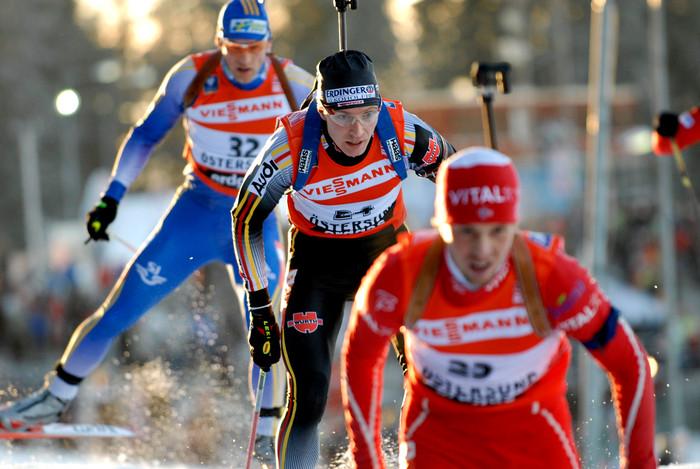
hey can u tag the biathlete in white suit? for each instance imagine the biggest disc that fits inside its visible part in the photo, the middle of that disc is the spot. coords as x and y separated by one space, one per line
230 98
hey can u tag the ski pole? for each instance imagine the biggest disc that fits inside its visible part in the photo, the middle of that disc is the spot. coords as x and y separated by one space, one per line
341 6
120 240
256 418
487 78
685 179
124 242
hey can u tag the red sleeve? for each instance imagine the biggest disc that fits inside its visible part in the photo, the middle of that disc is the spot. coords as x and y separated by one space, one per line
688 133
377 315
578 307
574 302
625 360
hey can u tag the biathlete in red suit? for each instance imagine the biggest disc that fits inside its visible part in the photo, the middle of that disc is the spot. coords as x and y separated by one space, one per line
684 128
341 161
482 389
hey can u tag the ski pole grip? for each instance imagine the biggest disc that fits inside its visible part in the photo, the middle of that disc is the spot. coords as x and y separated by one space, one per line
342 5
490 76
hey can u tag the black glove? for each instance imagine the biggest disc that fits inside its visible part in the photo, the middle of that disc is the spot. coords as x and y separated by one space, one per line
666 124
99 218
264 337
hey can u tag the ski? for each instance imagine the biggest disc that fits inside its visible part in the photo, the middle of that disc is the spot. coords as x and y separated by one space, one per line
67 430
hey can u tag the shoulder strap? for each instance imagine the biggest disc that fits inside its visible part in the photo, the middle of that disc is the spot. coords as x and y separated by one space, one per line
527 279
284 81
419 298
424 283
203 73
390 142
525 271
308 155
196 84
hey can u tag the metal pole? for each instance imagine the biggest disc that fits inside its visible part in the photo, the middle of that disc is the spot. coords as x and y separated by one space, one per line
70 168
255 418
603 47
488 78
658 66
342 32
342 6
31 198
487 120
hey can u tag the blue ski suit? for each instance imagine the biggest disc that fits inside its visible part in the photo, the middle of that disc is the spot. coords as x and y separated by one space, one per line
226 125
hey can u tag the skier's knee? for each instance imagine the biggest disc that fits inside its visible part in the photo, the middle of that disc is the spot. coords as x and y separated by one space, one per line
312 402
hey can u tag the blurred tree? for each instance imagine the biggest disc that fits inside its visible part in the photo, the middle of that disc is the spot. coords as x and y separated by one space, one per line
146 41
533 36
547 42
682 19
44 51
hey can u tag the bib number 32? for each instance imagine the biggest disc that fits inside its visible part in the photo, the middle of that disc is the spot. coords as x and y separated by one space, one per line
244 146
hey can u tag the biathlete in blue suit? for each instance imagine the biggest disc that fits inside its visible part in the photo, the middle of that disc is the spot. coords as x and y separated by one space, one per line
230 98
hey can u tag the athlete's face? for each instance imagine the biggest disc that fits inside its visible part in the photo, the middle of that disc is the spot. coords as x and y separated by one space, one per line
479 249
244 59
351 129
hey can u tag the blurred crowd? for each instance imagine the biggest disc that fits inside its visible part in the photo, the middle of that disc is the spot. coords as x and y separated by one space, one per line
37 314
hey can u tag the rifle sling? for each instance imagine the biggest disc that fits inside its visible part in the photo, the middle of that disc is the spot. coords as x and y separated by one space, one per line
424 283
213 61
202 74
525 271
284 81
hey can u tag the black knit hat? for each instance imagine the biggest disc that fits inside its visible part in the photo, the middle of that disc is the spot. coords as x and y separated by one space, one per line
346 79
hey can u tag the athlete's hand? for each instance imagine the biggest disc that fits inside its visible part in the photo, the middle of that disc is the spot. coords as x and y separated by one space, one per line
666 124
264 337
100 217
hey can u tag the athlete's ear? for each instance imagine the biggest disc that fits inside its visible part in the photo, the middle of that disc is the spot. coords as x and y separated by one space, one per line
218 42
269 46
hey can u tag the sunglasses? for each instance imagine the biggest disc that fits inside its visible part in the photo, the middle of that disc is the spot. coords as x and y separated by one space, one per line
254 47
343 119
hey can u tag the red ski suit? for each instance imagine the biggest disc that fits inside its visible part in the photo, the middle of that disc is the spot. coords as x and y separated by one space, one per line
688 133
482 390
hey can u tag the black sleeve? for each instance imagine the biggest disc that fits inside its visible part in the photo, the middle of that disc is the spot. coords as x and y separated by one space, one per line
429 147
